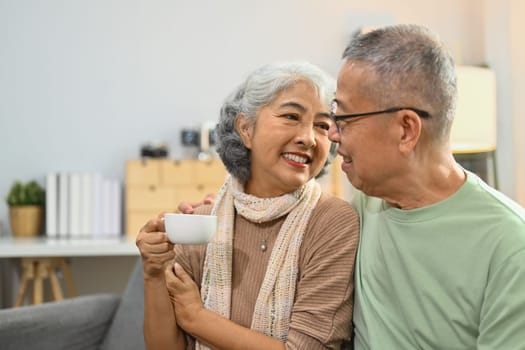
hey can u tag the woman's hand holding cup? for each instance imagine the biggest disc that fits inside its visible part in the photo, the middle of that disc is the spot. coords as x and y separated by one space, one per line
155 248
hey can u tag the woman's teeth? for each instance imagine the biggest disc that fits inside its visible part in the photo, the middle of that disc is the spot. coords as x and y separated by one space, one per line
296 158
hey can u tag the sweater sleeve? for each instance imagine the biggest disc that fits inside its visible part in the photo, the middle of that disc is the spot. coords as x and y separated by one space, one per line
191 257
322 312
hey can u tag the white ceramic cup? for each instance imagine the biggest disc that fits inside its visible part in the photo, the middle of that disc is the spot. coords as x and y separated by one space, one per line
190 228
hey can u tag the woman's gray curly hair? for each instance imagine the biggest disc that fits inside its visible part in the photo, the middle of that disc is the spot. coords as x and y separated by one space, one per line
259 89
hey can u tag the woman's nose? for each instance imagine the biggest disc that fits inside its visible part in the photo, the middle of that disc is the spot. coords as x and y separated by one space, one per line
306 136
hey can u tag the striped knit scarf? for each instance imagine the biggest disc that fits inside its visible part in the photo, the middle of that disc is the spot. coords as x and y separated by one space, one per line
275 300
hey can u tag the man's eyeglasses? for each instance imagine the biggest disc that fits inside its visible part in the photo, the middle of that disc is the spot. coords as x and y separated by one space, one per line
338 119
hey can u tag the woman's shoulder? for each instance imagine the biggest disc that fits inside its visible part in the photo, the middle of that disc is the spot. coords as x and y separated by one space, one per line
333 226
333 217
330 206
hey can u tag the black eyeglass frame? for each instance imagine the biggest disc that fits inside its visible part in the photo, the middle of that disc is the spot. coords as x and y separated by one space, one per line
338 118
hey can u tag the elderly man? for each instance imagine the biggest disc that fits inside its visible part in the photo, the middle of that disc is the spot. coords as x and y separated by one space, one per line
441 260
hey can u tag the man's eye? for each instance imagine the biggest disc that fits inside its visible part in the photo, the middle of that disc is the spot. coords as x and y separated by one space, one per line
342 124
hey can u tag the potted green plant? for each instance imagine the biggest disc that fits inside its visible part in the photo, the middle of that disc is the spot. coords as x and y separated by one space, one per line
26 208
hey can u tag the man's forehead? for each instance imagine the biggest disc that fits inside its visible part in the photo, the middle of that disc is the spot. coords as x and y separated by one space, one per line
346 86
352 78
355 68
353 88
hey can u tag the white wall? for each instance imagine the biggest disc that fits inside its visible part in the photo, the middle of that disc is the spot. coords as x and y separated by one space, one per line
517 29
505 52
84 83
498 53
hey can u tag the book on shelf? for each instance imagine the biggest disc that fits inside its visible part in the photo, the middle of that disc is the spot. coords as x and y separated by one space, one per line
83 205
97 206
52 204
63 205
86 205
75 210
115 208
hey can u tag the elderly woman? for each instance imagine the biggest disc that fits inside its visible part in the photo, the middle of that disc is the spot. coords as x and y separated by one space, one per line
278 273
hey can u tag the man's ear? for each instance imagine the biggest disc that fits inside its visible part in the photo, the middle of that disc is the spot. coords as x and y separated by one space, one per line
411 126
244 127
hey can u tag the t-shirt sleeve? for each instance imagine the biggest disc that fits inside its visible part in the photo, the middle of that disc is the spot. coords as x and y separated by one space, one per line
322 311
503 311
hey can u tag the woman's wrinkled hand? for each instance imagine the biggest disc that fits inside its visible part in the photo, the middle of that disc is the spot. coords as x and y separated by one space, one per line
155 248
184 295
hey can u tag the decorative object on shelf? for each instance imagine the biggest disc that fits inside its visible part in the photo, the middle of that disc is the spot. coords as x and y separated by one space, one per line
26 208
154 150
207 141
190 137
204 139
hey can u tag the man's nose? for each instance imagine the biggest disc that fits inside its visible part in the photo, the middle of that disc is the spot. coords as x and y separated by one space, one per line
333 133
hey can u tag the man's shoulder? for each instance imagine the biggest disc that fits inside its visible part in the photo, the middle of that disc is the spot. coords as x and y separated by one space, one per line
363 202
502 207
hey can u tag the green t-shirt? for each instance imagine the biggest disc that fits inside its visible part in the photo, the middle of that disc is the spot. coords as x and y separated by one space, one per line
447 276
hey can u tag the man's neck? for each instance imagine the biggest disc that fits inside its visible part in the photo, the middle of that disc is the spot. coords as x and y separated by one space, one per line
431 182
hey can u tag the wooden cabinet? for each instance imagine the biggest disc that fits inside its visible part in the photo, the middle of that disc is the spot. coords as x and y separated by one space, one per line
154 186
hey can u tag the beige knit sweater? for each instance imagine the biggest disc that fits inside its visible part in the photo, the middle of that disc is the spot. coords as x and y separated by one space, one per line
322 311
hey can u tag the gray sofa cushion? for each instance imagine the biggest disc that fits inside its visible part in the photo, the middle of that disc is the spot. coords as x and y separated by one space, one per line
77 323
126 330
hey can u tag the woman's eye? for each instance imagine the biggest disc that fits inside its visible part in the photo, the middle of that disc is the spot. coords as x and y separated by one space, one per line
324 126
291 116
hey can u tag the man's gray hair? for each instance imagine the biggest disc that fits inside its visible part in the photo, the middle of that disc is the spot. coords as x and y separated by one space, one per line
410 68
259 89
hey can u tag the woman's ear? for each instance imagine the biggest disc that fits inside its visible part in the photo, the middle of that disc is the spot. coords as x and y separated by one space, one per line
244 127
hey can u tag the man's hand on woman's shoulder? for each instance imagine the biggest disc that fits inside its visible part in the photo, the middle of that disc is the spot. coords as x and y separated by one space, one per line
189 207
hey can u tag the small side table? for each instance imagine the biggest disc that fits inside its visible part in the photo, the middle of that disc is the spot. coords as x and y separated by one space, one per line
36 270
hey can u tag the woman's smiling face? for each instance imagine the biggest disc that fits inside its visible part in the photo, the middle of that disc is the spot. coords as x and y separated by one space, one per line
289 142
